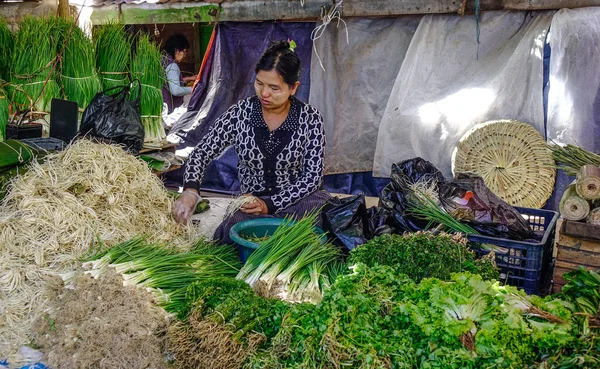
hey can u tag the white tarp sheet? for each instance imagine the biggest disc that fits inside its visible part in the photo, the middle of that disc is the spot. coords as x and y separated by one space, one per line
574 95
354 89
443 89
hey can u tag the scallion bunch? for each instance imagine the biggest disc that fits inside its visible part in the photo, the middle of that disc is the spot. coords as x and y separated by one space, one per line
166 272
294 259
113 53
7 41
79 78
3 113
147 69
32 67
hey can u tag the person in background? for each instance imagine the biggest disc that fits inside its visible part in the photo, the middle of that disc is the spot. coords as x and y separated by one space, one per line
279 141
174 90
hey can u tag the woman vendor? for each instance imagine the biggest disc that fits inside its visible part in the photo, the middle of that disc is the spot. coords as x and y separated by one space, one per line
174 90
279 141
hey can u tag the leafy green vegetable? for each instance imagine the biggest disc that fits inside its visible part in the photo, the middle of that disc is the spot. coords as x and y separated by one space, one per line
423 255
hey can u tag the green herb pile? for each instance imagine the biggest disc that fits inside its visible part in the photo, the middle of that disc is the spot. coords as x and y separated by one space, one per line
147 69
423 255
377 318
226 321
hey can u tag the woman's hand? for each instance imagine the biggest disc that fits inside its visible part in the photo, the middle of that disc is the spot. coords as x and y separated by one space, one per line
256 207
185 205
190 78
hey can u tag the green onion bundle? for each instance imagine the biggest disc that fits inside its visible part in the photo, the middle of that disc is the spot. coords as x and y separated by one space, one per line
7 41
294 259
423 207
147 68
113 52
79 78
570 158
3 114
167 273
32 69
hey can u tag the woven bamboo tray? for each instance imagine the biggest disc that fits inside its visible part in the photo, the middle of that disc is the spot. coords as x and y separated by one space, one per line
512 158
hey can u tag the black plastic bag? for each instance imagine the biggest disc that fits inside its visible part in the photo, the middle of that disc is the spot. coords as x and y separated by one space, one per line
346 220
412 171
114 118
468 198
380 221
394 196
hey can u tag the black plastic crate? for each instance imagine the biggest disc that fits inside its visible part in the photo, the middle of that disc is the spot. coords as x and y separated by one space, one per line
526 265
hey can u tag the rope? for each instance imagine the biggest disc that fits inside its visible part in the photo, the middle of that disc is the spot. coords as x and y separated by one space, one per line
19 152
150 116
477 8
69 77
34 83
326 18
154 87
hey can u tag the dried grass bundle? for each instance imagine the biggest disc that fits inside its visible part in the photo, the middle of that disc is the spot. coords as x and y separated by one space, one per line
101 324
55 212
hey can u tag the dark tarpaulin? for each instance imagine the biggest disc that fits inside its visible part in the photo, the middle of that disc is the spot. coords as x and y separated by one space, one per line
228 77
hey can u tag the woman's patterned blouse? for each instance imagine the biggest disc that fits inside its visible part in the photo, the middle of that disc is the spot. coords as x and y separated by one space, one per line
282 166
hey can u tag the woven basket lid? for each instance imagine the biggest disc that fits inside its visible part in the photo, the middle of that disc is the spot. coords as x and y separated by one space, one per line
512 158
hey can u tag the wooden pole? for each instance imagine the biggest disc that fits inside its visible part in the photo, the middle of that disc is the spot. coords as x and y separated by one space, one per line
63 9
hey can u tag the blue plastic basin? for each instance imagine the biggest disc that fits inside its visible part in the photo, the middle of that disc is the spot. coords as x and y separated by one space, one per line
259 227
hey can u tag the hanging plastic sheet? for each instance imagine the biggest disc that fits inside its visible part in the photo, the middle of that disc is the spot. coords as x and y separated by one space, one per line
448 83
574 92
354 88
236 49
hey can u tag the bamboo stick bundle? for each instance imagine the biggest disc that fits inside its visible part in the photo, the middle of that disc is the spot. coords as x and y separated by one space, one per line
588 182
572 206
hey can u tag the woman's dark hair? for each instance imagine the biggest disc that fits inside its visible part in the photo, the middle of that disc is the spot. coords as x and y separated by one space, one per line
174 43
279 57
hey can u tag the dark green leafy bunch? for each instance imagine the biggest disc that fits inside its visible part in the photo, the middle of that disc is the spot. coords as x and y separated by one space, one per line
583 291
236 306
377 318
423 255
